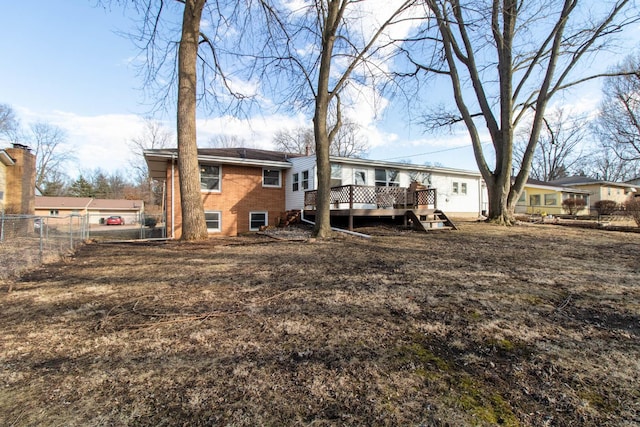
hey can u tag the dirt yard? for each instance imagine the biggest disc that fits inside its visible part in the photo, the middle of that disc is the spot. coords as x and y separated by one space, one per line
523 326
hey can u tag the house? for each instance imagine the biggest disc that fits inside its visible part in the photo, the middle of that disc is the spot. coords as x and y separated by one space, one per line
599 190
17 180
95 209
363 187
540 197
244 189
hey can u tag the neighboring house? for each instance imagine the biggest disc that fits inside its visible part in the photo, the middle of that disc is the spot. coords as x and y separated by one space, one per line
96 209
244 189
598 190
6 161
540 197
17 180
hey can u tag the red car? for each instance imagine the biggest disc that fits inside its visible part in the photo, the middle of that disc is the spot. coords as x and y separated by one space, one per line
114 220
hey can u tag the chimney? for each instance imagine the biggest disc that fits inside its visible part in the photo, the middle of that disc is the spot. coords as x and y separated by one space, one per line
307 149
21 181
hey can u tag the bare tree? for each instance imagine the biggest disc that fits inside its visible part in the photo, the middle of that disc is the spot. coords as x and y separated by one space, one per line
560 145
603 163
347 142
618 124
505 60
319 47
155 135
228 141
52 154
8 122
299 140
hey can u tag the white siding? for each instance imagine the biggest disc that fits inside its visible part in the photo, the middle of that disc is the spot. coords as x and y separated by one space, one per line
295 199
468 205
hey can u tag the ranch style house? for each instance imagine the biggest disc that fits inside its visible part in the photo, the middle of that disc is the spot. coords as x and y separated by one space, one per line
245 189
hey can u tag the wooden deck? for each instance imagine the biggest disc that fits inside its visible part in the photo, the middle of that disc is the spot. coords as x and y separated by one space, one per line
415 205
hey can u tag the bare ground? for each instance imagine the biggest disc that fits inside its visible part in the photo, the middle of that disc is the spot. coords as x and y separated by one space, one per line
529 325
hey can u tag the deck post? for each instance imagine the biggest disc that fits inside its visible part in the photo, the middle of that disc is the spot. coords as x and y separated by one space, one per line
351 208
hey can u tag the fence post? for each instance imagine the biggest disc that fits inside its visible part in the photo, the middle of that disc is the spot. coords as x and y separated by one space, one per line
71 232
41 239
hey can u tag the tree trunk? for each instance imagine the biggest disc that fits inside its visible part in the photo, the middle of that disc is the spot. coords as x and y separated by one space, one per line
500 210
193 222
322 228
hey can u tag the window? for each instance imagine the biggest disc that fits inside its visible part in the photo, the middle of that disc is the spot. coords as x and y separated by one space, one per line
296 182
54 212
534 200
420 177
463 188
305 180
550 199
387 178
360 178
522 199
336 175
455 189
209 178
270 178
257 220
212 218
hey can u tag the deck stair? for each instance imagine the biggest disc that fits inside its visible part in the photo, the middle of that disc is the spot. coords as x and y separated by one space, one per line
435 220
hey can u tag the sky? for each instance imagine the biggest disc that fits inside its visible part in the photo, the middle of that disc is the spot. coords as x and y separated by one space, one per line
68 63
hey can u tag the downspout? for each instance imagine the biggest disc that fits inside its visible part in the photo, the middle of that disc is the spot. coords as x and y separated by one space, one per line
173 199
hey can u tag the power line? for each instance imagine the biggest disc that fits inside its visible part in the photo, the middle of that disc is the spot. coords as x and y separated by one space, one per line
434 152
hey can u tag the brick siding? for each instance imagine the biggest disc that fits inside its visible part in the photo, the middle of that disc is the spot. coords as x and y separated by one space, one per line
241 193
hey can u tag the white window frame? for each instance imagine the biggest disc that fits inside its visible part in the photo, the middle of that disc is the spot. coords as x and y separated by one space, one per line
304 181
266 219
296 182
388 182
211 190
363 175
279 185
214 230
463 188
455 187
336 175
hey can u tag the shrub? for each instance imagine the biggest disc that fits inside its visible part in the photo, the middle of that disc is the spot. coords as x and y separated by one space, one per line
606 207
632 207
573 206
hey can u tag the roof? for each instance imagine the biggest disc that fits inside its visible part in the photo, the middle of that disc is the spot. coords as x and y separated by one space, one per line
584 180
535 183
397 165
80 203
157 159
116 204
62 202
6 159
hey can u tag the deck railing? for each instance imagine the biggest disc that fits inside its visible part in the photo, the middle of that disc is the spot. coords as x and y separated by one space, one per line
370 197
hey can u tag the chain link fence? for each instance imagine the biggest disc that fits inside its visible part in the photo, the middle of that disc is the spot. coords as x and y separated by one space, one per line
26 241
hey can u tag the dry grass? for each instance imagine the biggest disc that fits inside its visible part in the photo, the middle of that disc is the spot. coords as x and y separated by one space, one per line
530 325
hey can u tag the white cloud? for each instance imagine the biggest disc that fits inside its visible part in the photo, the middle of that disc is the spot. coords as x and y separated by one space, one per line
96 141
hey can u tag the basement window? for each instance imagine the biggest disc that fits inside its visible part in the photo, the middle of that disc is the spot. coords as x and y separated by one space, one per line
212 218
257 220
